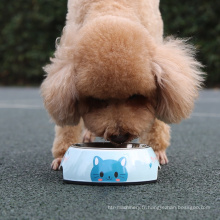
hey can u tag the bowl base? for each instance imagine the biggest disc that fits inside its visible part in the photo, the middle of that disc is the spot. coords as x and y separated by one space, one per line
108 183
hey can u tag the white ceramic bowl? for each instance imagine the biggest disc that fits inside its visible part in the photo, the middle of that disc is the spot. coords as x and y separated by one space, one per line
103 163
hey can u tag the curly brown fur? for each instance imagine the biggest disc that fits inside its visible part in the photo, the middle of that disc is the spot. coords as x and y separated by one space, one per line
113 69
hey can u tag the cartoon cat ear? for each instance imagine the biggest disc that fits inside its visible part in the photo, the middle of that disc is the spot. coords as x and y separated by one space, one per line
123 161
96 160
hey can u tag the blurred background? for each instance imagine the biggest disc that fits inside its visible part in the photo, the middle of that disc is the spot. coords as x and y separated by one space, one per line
29 29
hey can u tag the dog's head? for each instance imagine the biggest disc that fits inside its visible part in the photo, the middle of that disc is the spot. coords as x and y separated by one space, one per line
119 80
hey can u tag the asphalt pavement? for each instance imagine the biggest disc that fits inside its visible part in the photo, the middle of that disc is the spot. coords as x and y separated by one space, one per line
187 188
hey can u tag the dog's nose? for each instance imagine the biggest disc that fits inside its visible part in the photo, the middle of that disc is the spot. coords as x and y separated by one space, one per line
119 139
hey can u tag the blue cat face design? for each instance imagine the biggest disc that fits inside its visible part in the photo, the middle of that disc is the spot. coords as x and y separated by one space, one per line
109 170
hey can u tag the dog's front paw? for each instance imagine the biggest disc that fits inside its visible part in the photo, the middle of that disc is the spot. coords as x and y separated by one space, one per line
56 163
162 157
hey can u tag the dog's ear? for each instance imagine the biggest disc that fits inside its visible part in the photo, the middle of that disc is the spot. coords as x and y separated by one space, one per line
58 89
178 78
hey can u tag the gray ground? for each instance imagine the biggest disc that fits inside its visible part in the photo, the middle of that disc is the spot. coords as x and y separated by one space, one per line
187 188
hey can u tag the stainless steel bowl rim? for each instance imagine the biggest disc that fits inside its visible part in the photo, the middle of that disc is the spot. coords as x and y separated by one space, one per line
109 146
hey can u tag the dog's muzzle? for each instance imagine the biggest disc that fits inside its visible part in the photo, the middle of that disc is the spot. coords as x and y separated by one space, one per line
119 139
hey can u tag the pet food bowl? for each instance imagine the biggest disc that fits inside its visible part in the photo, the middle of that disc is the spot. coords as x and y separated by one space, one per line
103 163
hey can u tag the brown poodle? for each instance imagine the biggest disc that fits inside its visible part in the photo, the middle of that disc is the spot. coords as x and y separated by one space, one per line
114 76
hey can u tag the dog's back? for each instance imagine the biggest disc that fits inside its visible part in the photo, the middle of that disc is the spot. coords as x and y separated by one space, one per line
145 12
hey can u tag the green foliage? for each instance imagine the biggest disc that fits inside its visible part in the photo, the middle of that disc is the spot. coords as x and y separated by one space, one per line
29 29
198 20
28 32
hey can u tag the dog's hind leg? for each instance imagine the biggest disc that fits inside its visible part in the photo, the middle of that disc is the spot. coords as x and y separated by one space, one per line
64 138
159 139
